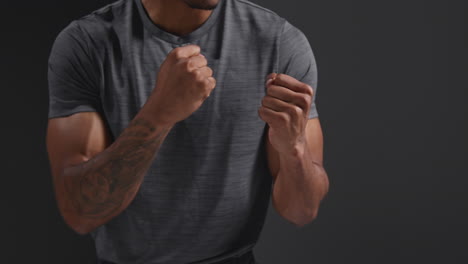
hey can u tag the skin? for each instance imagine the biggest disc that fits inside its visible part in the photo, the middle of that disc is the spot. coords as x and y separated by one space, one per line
96 176
300 181
294 147
179 17
95 179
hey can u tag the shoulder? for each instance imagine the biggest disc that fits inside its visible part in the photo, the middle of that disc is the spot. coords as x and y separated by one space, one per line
93 31
253 8
104 17
101 22
261 20
96 26
292 34
266 23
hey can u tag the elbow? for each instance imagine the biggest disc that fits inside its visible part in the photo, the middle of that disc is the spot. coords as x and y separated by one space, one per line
77 224
297 216
73 219
81 229
306 219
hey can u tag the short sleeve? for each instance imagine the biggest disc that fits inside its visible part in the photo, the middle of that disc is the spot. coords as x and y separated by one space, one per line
73 75
297 59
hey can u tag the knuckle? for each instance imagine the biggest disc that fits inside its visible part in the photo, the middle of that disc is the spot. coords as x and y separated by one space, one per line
206 83
193 74
308 100
177 52
199 76
270 90
304 99
269 76
297 110
214 82
196 75
308 89
203 59
189 64
283 118
291 110
185 65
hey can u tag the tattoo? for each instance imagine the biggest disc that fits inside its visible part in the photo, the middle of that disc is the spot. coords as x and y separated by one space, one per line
101 186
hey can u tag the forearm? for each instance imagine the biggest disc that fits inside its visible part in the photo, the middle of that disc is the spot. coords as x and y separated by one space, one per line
98 189
299 187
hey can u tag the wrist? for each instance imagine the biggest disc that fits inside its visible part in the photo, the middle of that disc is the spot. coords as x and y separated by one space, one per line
155 118
296 152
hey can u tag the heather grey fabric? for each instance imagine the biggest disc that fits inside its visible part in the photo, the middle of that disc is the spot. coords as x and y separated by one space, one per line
206 194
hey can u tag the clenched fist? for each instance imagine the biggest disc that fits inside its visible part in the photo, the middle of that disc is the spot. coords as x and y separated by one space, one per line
183 82
285 108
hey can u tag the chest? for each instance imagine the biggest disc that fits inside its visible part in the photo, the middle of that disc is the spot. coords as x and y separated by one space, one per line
129 78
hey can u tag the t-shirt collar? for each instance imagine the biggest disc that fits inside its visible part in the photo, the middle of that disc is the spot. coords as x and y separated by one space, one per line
169 37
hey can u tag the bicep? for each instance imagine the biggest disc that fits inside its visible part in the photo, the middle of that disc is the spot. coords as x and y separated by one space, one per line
76 128
75 139
74 76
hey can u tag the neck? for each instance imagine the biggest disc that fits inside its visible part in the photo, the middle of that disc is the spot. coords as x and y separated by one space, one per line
175 16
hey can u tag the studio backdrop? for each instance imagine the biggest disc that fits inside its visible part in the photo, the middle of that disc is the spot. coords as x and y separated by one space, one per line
392 102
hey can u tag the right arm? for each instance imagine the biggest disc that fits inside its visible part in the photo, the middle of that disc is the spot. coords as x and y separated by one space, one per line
95 180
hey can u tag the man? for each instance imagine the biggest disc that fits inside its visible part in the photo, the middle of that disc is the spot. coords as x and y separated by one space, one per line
165 142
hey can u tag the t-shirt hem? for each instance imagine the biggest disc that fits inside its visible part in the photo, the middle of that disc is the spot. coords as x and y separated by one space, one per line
71 111
237 253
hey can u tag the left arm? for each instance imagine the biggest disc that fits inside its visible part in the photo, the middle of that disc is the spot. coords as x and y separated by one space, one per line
299 180
294 146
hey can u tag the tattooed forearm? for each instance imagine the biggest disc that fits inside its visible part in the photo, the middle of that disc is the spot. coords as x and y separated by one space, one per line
104 185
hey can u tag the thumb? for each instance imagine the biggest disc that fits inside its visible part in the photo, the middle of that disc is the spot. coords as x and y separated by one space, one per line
189 50
271 76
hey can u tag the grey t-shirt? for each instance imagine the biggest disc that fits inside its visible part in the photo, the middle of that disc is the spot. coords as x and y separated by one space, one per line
206 194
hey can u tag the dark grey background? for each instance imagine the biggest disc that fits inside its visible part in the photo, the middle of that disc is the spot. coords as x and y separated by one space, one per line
391 99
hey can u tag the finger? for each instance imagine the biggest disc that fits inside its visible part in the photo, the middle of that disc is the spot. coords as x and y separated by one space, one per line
198 61
292 83
289 96
274 103
213 82
270 76
186 51
278 105
273 118
206 71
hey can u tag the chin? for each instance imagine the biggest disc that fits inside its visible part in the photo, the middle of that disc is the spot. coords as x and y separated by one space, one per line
202 4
